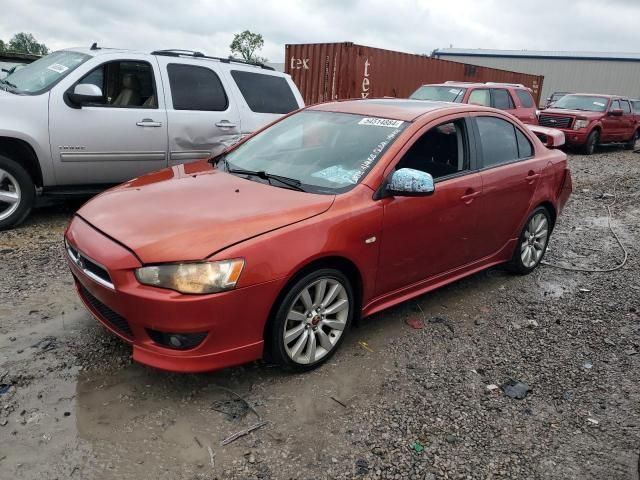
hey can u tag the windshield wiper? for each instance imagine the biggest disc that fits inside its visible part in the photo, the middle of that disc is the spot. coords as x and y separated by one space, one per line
8 83
289 182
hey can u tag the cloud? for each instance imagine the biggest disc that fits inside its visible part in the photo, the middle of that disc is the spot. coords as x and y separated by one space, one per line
417 26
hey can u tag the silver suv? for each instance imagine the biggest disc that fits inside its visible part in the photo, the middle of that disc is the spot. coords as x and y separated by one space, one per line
79 120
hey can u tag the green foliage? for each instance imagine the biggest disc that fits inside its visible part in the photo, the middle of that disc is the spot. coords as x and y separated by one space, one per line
24 42
246 44
3 46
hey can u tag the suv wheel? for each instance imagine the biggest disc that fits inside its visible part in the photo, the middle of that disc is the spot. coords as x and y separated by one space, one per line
311 321
17 193
592 141
631 144
532 243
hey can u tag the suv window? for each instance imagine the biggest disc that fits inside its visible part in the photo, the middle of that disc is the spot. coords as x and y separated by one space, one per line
196 88
480 97
124 84
526 98
636 105
625 106
441 151
614 105
498 140
265 93
502 99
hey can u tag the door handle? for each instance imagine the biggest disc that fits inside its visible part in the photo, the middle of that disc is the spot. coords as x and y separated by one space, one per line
225 124
147 122
469 196
531 177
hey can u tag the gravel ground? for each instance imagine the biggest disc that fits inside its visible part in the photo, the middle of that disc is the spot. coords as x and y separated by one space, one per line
395 403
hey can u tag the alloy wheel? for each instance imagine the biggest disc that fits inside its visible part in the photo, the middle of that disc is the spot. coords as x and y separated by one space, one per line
9 194
534 240
316 320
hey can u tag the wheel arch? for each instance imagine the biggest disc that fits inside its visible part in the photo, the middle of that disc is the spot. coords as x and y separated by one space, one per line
23 153
551 209
340 263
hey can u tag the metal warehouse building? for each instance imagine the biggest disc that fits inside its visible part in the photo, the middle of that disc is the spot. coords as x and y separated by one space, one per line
587 72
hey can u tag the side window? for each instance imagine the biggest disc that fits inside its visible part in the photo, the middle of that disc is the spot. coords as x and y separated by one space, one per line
526 98
614 105
498 140
525 149
480 97
265 93
625 106
441 151
124 84
502 99
196 88
636 106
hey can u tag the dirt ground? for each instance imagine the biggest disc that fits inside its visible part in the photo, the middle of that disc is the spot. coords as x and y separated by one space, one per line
406 404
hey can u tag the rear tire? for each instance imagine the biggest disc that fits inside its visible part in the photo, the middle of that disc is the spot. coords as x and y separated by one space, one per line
592 141
631 144
17 193
311 321
532 243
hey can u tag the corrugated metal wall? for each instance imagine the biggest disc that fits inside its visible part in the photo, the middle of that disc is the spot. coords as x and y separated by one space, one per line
332 71
568 75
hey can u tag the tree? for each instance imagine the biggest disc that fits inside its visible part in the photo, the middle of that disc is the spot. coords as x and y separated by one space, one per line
246 44
26 43
3 47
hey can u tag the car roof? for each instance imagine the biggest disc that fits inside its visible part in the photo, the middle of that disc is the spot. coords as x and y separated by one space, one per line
394 108
476 85
603 95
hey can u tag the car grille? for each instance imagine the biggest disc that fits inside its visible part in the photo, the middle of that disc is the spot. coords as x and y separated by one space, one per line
112 318
555 121
93 270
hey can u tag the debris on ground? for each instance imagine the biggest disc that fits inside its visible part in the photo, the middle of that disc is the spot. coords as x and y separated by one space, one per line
415 323
46 343
365 346
515 389
242 433
417 447
362 466
338 401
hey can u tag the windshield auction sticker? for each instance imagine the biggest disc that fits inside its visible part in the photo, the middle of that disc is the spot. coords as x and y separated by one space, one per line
56 67
381 122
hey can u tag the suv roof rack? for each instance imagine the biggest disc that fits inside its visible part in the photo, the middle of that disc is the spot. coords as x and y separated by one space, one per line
177 52
455 81
506 83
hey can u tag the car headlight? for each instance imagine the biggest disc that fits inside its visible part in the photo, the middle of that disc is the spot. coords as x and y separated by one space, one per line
193 278
580 124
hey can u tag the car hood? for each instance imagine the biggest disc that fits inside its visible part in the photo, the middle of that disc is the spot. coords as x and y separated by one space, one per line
192 211
574 113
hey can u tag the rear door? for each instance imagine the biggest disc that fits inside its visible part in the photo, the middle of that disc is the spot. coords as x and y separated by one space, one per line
203 115
628 123
119 137
501 99
526 106
263 95
611 125
510 175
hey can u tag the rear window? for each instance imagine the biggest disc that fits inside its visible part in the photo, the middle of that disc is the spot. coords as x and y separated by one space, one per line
439 93
196 88
498 140
265 93
502 99
636 106
525 98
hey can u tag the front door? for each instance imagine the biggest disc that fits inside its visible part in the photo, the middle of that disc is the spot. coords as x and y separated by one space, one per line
425 236
510 175
117 138
611 124
203 114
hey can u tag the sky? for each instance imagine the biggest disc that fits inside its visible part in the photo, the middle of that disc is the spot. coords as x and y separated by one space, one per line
417 26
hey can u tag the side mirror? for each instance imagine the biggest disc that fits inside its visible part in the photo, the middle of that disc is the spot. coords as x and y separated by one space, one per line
85 93
408 182
616 112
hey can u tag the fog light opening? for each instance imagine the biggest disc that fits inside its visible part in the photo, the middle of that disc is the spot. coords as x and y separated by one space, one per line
176 341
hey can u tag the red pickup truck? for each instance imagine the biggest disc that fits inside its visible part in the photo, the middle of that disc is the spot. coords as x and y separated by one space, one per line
588 120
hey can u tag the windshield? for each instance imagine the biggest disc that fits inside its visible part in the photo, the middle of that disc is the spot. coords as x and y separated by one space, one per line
439 93
326 152
582 102
41 75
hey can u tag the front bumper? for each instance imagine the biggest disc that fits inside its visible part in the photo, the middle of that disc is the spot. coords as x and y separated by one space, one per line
233 321
575 137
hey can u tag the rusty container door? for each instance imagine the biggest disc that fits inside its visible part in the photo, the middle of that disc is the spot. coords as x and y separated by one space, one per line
334 71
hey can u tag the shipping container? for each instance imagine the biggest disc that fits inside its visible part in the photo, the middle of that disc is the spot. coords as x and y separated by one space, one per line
334 71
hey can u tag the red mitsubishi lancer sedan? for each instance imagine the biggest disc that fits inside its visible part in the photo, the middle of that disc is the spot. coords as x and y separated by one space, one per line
334 212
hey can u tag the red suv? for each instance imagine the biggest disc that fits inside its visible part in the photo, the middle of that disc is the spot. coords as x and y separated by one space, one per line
514 98
337 211
588 120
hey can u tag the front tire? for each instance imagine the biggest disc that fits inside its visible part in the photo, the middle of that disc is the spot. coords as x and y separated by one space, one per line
17 193
311 320
532 243
592 141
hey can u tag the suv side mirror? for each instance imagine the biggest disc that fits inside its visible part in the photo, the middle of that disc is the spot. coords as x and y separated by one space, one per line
616 112
84 93
408 182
